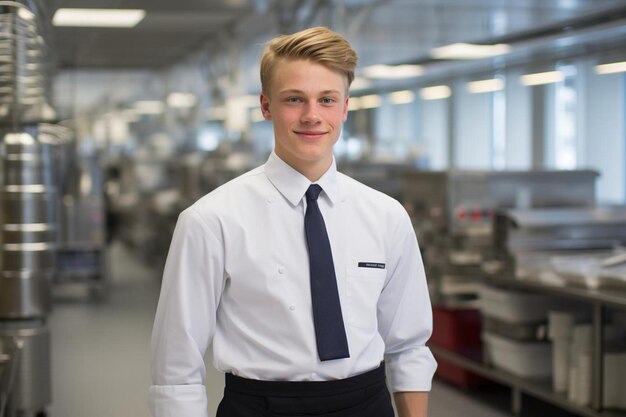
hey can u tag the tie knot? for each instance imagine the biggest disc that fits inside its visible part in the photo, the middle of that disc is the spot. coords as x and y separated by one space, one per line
313 192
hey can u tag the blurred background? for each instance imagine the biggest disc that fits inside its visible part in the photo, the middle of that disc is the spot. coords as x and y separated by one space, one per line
500 125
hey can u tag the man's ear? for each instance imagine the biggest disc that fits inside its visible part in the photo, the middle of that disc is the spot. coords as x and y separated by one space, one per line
345 108
265 107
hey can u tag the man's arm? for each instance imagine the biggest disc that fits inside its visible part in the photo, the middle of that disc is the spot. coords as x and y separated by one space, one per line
186 317
411 404
405 317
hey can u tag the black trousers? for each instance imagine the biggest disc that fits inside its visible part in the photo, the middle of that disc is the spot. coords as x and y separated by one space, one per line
364 395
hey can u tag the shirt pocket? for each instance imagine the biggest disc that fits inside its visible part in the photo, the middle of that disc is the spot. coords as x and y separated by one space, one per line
363 288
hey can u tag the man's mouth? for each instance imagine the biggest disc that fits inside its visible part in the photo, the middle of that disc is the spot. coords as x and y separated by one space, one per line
309 134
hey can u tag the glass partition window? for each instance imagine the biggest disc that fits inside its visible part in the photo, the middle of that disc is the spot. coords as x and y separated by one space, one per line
562 140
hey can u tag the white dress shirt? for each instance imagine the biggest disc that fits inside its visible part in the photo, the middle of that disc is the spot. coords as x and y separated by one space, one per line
237 276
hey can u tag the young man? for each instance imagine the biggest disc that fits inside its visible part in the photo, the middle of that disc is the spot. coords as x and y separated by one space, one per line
303 279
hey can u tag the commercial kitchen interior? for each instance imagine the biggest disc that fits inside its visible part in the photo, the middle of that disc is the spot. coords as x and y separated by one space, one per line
500 125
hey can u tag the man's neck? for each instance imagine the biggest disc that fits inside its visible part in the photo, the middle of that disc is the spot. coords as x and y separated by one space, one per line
312 171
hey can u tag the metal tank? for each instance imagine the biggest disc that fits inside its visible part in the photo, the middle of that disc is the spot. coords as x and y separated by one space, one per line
28 212
28 199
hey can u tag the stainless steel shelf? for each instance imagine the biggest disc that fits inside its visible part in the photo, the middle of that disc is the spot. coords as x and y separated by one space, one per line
614 297
538 388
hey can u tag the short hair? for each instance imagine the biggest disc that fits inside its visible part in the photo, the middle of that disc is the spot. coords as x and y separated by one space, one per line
319 44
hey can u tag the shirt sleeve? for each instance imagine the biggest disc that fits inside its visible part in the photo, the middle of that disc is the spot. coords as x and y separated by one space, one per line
405 314
185 319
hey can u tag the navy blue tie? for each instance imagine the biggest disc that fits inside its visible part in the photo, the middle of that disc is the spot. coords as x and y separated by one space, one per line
330 333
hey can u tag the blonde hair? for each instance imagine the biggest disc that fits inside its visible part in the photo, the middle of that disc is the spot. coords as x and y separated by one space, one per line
319 44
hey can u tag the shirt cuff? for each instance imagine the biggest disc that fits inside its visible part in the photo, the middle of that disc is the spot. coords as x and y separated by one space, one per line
178 400
411 370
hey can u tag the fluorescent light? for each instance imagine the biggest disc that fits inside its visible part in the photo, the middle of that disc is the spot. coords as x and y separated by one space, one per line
149 107
402 97
436 92
611 68
371 101
392 72
542 78
354 103
360 83
181 100
485 86
119 18
469 51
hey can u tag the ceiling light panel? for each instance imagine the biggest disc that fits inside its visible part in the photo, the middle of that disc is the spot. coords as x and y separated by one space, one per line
485 86
392 72
114 18
371 101
354 103
402 97
436 92
611 68
360 83
540 78
469 51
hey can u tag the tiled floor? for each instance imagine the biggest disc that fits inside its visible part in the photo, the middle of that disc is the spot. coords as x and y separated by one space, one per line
100 353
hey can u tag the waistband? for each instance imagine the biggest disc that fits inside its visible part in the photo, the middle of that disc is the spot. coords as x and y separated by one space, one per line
305 388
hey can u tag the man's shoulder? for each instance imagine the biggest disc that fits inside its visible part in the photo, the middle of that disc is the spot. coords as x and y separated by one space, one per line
230 193
363 193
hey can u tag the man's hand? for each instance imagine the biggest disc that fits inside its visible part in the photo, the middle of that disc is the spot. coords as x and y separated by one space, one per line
411 404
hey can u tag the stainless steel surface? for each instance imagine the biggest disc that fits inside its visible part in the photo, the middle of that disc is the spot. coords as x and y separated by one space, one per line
31 391
597 363
25 297
537 388
600 299
560 229
453 212
24 63
571 243
28 206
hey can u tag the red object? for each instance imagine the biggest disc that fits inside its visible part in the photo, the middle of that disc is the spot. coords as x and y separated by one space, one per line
456 330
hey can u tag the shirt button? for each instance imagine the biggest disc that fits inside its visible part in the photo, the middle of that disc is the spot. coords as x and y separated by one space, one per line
281 270
292 308
270 199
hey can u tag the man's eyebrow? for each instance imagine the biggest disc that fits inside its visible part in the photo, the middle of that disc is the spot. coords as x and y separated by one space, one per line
296 91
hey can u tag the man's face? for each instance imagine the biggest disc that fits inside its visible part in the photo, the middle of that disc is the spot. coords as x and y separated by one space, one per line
307 103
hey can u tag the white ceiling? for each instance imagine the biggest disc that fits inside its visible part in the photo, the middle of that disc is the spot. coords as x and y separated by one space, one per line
383 31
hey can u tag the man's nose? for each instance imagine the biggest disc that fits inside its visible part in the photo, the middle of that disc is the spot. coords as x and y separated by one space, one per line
310 113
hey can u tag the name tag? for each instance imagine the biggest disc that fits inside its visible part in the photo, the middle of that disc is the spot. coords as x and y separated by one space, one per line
371 265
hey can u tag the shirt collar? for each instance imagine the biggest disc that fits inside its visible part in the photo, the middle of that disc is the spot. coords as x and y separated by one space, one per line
293 185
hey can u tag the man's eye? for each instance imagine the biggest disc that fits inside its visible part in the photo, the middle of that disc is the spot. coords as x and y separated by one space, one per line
328 100
293 100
